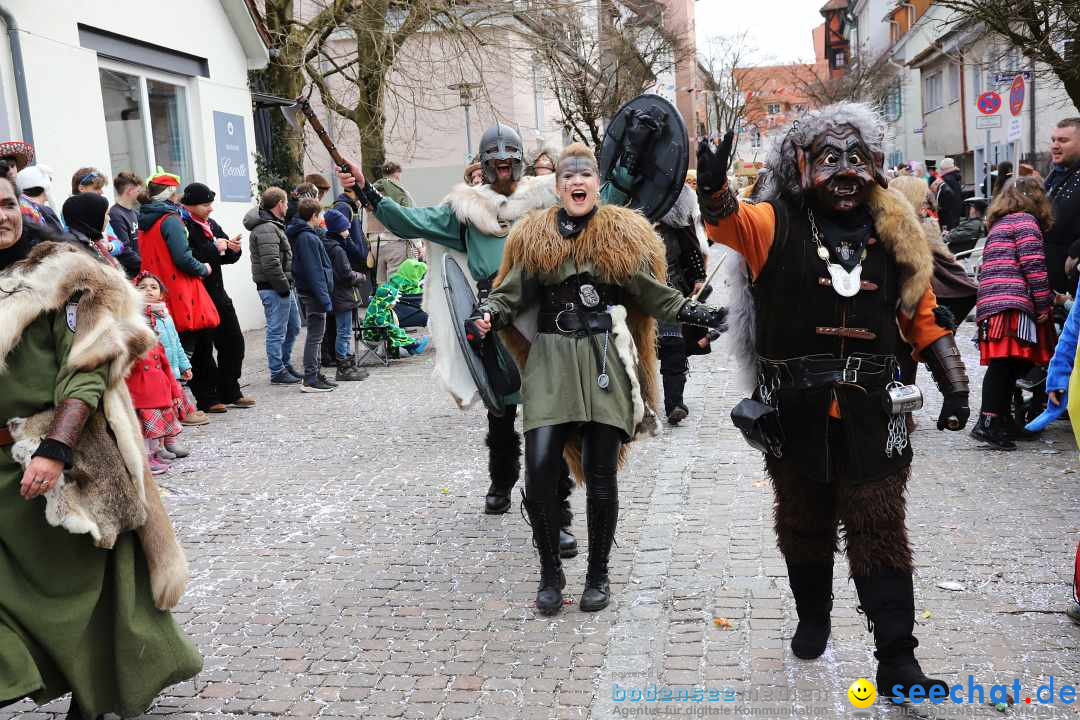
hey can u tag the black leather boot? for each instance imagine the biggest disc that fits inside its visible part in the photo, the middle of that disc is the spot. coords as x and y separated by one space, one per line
504 461
673 398
568 546
811 584
888 601
545 531
993 429
602 518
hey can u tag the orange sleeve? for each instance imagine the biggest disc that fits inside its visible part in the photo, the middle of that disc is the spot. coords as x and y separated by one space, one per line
749 232
921 329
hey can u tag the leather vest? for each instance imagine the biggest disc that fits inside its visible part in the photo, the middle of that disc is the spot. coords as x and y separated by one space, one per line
798 314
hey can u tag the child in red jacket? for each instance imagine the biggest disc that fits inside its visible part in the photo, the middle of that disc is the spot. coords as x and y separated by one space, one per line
156 395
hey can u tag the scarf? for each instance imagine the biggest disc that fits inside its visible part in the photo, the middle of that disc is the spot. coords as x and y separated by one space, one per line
204 224
571 226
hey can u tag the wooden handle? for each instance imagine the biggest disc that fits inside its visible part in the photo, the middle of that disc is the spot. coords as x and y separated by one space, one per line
320 131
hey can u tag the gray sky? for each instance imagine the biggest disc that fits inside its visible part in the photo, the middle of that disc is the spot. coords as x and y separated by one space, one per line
780 30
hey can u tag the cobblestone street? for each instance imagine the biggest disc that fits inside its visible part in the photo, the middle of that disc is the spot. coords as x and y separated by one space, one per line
342 568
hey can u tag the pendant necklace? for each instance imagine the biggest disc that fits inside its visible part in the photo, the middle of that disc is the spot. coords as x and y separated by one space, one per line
846 284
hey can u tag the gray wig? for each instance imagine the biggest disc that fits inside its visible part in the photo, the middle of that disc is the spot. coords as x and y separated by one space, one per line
784 174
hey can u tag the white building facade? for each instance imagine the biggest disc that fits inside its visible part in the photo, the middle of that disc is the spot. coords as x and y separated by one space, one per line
131 86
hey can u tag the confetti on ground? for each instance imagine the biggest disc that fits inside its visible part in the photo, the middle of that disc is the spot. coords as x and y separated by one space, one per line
722 623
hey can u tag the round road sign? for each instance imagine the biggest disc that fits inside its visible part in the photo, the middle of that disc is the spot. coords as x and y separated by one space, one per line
1016 95
989 103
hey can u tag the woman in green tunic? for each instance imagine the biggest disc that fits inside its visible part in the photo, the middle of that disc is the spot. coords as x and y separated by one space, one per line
73 617
588 273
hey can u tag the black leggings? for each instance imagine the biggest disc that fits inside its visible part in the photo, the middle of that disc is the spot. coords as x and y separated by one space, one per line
999 382
600 446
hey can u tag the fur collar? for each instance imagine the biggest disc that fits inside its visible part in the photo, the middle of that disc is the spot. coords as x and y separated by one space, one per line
536 245
903 235
617 243
111 322
492 213
685 210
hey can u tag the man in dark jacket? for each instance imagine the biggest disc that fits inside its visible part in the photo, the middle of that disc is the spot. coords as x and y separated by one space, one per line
950 195
271 269
1062 241
314 286
971 229
124 218
345 298
210 244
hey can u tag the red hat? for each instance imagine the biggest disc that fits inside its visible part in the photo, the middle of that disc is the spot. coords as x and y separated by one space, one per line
22 152
163 178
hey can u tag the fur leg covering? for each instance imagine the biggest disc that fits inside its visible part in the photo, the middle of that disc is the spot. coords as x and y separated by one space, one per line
504 450
803 514
874 517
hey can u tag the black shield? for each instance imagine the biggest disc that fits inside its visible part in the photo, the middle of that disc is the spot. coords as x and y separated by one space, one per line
661 158
492 368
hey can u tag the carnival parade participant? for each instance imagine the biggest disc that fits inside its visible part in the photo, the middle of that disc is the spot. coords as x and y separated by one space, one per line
839 273
474 220
77 615
589 385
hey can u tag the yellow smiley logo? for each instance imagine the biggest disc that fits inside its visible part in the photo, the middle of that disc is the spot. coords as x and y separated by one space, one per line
861 694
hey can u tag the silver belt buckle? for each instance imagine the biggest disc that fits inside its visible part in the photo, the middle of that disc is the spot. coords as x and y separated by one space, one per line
558 326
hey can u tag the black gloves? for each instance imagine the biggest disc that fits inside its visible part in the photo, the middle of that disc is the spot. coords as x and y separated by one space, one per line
369 196
943 359
695 313
712 167
642 129
472 333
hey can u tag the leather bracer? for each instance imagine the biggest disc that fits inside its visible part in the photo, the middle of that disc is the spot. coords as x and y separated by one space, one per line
69 418
946 365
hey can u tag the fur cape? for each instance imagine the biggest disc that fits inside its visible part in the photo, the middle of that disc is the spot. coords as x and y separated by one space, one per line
618 243
901 234
492 213
109 490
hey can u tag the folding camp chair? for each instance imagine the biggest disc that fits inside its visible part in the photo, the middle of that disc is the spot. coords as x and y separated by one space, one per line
378 349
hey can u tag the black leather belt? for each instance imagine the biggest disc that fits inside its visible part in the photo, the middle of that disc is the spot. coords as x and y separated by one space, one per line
815 371
555 297
568 322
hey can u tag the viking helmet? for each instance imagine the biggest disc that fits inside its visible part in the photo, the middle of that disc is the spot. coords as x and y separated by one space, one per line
501 142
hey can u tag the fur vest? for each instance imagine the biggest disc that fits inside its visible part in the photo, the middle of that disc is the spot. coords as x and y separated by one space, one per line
109 489
617 243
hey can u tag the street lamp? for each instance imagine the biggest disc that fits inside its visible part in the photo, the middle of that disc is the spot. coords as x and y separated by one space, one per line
465 94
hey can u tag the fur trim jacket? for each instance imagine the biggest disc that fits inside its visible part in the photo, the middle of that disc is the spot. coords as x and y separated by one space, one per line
108 490
559 374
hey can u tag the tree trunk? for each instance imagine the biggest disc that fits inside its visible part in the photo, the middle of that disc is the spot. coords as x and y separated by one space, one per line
282 78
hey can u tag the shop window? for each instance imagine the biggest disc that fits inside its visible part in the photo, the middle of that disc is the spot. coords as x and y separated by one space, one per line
146 120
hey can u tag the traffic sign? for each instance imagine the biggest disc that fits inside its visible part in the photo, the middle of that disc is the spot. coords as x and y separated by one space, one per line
989 103
1016 95
1002 78
985 122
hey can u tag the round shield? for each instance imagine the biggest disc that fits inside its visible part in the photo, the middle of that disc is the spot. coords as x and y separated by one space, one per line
658 146
462 302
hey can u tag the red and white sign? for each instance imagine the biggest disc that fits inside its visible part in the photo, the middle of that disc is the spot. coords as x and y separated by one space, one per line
989 103
1016 95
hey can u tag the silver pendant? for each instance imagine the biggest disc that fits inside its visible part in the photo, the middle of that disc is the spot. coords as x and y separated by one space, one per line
823 253
589 296
603 381
846 284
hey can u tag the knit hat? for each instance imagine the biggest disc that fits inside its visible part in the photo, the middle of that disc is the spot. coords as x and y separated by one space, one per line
85 212
335 221
947 165
33 176
197 194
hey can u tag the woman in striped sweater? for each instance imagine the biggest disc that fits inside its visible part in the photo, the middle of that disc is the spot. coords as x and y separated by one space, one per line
1013 307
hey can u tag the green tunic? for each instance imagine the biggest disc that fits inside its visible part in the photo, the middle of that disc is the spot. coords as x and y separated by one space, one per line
558 382
73 618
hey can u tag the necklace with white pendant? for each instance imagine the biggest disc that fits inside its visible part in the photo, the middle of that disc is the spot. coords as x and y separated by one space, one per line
845 283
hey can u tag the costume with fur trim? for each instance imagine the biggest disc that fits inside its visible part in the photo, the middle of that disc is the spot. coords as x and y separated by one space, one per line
618 247
825 344
70 328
